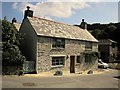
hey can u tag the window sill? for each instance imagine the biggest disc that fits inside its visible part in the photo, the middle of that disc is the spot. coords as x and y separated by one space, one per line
78 63
57 66
88 49
58 48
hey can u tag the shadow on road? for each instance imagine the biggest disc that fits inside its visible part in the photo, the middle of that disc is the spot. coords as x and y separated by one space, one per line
118 77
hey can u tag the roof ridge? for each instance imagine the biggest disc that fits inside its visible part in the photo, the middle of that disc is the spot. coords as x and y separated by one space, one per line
54 21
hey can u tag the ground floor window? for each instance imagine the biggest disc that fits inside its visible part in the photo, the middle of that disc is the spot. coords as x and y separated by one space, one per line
58 61
78 59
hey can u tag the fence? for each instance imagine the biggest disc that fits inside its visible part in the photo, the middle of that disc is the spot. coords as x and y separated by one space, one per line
29 66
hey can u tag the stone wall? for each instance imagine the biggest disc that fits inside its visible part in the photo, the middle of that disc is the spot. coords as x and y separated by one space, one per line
28 44
45 52
108 53
114 65
113 54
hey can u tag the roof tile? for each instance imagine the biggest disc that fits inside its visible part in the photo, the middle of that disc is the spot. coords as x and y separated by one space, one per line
44 27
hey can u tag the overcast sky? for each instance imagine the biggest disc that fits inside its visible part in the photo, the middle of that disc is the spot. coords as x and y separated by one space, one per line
72 12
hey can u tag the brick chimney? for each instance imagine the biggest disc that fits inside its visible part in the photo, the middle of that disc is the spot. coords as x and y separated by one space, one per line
14 20
83 24
28 13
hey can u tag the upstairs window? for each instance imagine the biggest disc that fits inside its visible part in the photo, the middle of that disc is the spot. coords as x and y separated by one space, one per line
58 43
88 46
113 45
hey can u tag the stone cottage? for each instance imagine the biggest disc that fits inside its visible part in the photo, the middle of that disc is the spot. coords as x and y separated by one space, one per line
108 50
50 45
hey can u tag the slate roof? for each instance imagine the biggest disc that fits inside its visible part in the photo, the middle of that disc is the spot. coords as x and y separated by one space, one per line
44 27
106 42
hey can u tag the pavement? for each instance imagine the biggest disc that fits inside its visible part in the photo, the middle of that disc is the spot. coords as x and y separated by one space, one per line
65 73
106 79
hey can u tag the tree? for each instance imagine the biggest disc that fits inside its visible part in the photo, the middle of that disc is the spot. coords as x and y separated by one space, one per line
96 33
117 36
11 54
104 35
110 30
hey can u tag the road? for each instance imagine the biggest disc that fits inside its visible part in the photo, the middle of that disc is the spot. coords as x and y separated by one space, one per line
108 79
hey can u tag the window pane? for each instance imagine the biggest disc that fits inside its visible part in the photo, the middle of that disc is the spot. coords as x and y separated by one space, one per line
53 63
57 63
59 40
113 45
88 45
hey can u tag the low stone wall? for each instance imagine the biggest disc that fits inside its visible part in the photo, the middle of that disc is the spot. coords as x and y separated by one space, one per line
114 65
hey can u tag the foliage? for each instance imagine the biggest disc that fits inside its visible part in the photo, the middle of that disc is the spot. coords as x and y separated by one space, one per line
92 53
106 31
12 70
96 33
90 59
11 54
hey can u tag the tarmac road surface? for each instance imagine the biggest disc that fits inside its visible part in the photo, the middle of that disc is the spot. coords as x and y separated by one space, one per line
109 79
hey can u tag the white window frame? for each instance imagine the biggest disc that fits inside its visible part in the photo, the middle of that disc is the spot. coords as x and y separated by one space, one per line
58 61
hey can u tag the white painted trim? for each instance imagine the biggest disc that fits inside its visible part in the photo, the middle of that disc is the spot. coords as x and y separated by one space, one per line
59 55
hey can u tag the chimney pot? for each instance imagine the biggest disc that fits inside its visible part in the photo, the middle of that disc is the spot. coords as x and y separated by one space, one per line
14 20
82 20
28 7
28 13
83 24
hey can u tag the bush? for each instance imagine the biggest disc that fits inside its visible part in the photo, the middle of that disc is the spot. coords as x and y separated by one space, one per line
19 72
11 55
12 70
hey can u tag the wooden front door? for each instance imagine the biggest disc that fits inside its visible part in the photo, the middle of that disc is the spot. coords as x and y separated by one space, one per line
72 64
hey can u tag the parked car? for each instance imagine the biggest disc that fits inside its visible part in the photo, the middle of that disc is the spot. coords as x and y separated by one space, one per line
102 64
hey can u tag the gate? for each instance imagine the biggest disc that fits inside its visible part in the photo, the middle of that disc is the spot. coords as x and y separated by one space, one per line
29 66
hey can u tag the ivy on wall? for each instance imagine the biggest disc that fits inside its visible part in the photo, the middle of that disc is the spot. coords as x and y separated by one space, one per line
92 53
90 59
